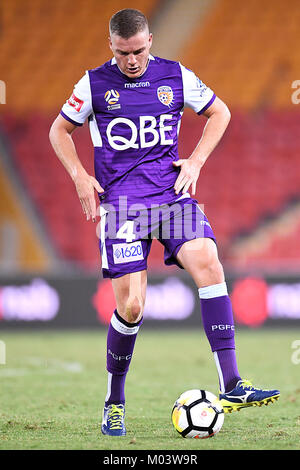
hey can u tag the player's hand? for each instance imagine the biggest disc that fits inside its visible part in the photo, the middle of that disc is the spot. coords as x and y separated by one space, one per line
188 176
85 187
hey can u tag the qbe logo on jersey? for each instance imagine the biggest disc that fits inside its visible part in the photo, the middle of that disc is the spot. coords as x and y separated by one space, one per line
165 95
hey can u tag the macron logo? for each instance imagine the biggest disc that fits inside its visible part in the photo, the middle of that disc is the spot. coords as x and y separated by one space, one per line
137 85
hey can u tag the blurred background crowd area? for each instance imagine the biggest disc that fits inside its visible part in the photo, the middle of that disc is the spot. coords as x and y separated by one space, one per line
247 52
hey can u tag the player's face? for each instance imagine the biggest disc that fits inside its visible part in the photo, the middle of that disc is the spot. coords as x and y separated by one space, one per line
132 54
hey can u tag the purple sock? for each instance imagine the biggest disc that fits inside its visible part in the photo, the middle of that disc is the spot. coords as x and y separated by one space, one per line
121 338
218 324
225 360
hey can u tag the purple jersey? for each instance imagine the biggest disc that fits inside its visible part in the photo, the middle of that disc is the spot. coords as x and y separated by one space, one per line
134 125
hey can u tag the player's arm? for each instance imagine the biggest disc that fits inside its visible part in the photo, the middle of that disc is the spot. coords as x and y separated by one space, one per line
218 117
61 139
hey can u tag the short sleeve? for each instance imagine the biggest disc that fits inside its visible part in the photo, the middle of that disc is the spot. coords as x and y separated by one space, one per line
79 106
196 94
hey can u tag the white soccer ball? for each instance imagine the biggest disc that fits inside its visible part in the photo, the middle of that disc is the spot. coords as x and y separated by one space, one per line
197 414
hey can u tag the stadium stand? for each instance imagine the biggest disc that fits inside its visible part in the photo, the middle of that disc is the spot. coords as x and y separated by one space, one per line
247 52
53 44
21 248
51 189
43 39
248 167
252 175
276 242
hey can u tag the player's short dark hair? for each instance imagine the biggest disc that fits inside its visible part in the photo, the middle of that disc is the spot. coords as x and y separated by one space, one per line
128 22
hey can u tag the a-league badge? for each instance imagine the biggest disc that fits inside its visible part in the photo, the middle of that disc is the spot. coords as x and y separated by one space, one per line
165 95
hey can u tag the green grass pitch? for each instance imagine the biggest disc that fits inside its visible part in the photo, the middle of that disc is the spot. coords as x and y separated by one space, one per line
54 383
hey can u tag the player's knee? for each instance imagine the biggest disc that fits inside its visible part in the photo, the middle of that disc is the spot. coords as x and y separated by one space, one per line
216 271
134 309
211 271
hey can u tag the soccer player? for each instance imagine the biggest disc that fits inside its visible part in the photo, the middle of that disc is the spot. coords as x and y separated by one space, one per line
134 104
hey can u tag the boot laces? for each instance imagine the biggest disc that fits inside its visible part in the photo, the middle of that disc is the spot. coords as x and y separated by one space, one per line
115 415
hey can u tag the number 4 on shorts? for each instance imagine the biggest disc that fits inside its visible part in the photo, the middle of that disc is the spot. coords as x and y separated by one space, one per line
126 231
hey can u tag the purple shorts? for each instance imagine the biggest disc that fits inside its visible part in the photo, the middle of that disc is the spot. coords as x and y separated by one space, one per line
126 236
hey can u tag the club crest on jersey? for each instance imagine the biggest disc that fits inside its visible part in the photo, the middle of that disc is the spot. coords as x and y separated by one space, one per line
112 97
165 95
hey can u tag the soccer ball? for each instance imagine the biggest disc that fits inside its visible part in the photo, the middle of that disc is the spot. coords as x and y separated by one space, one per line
197 414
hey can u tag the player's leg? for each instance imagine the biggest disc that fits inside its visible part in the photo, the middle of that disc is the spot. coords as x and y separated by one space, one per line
130 293
124 253
187 237
200 259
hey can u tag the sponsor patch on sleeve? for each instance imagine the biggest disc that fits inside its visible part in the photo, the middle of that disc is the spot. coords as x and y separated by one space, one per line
75 102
